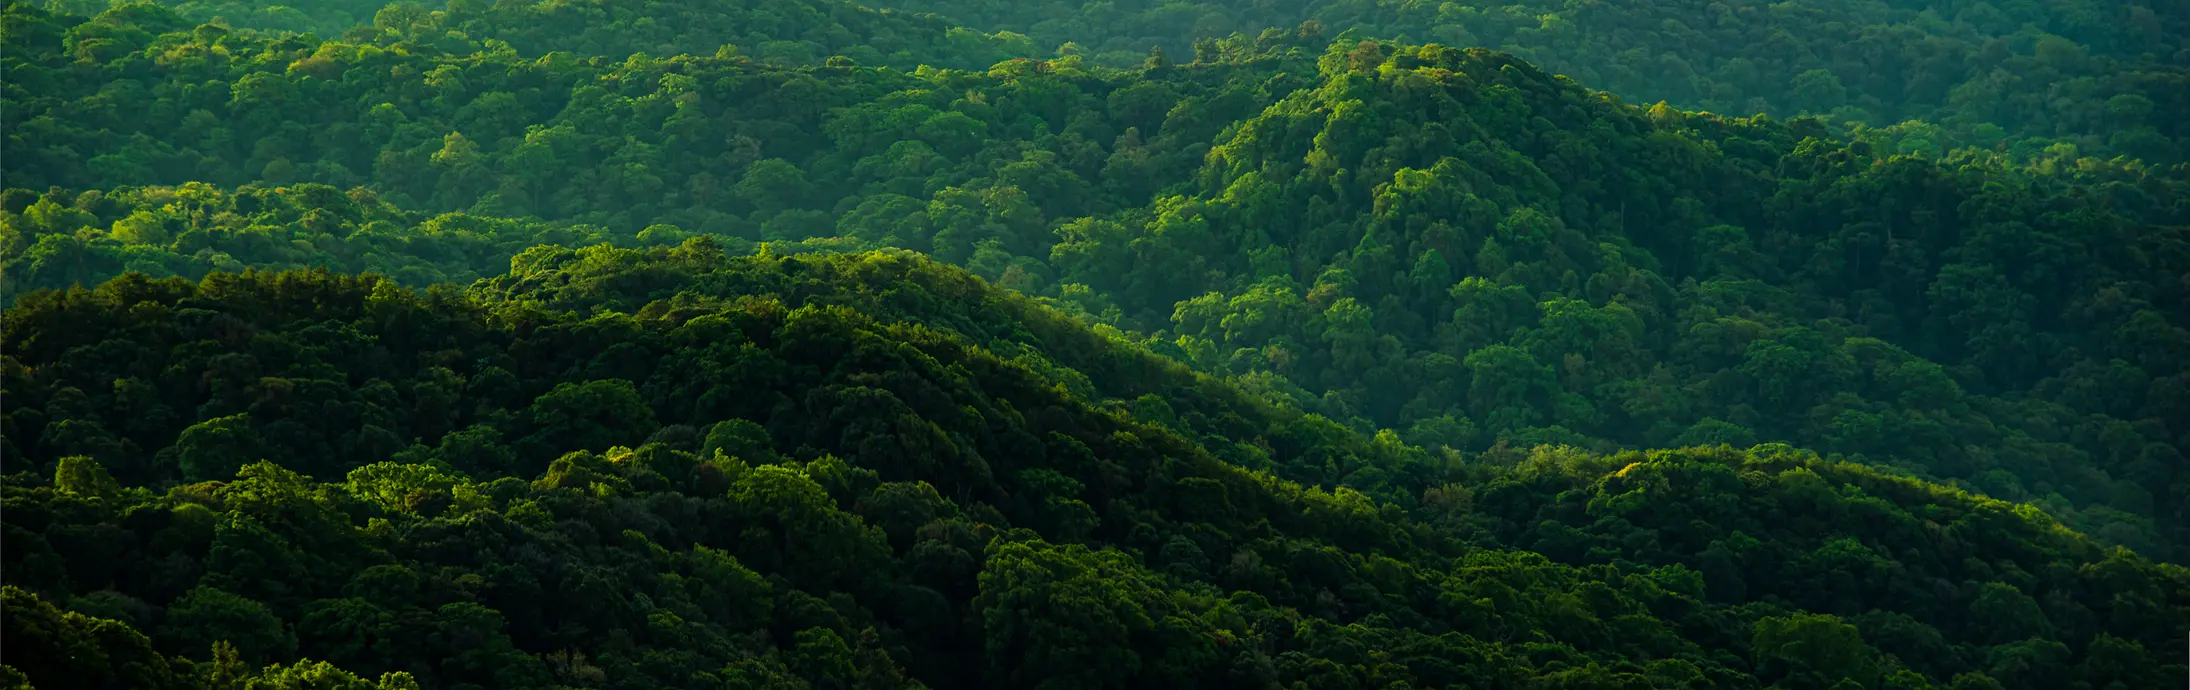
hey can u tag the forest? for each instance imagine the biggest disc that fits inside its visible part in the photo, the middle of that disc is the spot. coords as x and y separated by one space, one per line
958 344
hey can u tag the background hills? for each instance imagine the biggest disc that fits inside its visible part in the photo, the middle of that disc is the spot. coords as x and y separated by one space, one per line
2099 76
807 343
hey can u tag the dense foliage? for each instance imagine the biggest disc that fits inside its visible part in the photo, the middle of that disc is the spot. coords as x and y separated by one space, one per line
791 31
1448 243
801 344
621 469
2108 77
723 144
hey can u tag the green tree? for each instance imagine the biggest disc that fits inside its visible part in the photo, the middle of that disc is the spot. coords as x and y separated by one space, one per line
204 616
1813 651
215 448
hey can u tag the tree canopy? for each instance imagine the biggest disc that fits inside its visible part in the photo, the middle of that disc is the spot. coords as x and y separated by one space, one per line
671 467
618 344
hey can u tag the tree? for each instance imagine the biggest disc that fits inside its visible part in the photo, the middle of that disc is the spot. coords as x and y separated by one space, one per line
2002 614
1813 651
592 415
215 448
57 649
774 185
204 616
1065 616
739 438
84 477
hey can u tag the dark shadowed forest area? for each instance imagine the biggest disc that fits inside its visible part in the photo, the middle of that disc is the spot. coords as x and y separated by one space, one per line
1068 345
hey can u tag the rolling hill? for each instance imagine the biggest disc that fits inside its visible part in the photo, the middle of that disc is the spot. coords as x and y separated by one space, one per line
618 344
672 467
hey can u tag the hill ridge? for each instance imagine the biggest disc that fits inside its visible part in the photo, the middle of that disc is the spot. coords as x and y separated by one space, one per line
1196 496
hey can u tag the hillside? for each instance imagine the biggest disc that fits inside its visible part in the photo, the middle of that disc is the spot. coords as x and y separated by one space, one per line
626 344
672 467
2025 80
2103 77
1452 244
782 31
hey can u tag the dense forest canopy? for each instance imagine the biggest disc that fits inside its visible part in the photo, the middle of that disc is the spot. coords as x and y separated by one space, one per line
791 31
2107 77
609 343
916 476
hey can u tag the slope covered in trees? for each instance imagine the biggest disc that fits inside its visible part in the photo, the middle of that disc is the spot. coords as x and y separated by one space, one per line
618 468
788 31
2101 76
1289 363
704 141
1460 245
1448 243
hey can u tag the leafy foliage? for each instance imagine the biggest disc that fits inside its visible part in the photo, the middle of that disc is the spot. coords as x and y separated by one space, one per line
907 505
1916 77
1448 243
477 346
801 31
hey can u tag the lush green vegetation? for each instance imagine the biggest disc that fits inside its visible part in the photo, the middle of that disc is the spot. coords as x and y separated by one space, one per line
671 468
783 31
2105 77
621 344
1446 243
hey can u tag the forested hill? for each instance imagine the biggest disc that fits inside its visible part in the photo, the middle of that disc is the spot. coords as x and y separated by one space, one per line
782 31
620 344
2105 77
1448 243
675 468
2100 78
